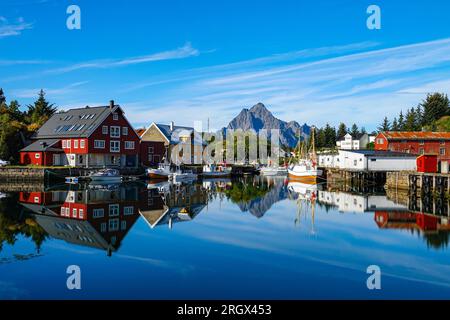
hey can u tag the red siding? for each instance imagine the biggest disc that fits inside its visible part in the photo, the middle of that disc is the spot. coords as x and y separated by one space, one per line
109 122
77 146
27 158
427 164
157 155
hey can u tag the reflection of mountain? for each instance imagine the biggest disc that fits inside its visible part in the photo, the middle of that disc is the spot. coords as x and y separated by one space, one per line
174 203
98 218
258 197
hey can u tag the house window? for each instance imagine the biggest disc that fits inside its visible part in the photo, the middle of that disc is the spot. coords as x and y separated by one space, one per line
37 155
150 150
442 151
68 144
123 225
421 151
113 210
36 199
355 162
113 224
380 140
128 210
421 142
150 157
75 144
98 213
105 129
115 132
64 144
99 144
124 131
129 145
82 144
115 116
103 227
81 213
114 146
74 213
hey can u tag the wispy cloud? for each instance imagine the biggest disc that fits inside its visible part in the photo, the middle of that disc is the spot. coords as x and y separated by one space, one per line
183 52
30 93
9 29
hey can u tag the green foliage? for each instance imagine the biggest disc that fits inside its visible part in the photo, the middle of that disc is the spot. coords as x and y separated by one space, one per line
16 126
385 125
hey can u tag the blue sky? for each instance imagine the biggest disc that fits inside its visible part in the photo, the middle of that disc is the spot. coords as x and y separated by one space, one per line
309 61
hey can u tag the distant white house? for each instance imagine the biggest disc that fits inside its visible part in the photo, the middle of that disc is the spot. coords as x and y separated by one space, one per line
355 142
368 160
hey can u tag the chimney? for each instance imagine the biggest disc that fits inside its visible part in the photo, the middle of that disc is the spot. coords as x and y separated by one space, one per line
111 104
171 125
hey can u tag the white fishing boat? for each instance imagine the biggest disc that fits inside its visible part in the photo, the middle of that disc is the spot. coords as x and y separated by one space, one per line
106 176
273 171
305 168
163 172
183 176
213 171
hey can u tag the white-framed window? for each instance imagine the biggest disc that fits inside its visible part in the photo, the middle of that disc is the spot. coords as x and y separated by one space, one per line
98 213
36 199
105 129
113 224
68 144
114 132
123 225
99 144
151 150
103 227
63 211
74 212
64 144
129 145
81 213
75 144
128 210
380 141
37 155
114 146
115 116
113 210
442 151
421 151
82 144
150 157
124 131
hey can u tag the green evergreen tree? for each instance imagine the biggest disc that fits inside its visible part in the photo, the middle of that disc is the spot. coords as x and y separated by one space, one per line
385 125
411 120
395 125
342 130
41 110
401 121
434 107
355 130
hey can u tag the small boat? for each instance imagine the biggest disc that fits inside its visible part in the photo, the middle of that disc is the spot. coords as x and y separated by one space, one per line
273 171
106 175
305 169
183 176
213 171
161 173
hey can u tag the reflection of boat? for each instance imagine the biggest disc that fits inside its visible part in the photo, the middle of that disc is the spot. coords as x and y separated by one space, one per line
213 171
304 190
305 169
306 200
162 172
106 175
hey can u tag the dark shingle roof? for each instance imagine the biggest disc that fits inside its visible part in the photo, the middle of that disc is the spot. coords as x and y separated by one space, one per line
42 145
174 135
74 122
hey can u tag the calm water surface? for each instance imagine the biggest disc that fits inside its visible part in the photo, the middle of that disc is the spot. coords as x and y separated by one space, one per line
254 238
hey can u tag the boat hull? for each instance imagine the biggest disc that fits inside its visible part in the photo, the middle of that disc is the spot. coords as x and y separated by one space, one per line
309 177
157 176
106 179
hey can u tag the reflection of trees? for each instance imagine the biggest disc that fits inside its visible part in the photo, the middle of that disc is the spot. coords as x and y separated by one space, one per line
438 240
244 191
15 222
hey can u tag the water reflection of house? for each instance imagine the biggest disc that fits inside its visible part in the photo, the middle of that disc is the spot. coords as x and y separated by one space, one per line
426 223
178 203
98 218
348 202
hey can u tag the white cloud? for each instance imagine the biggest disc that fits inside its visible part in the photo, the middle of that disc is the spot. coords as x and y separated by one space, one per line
8 29
31 93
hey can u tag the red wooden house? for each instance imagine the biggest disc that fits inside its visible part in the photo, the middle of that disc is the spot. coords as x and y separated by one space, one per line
85 137
437 143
